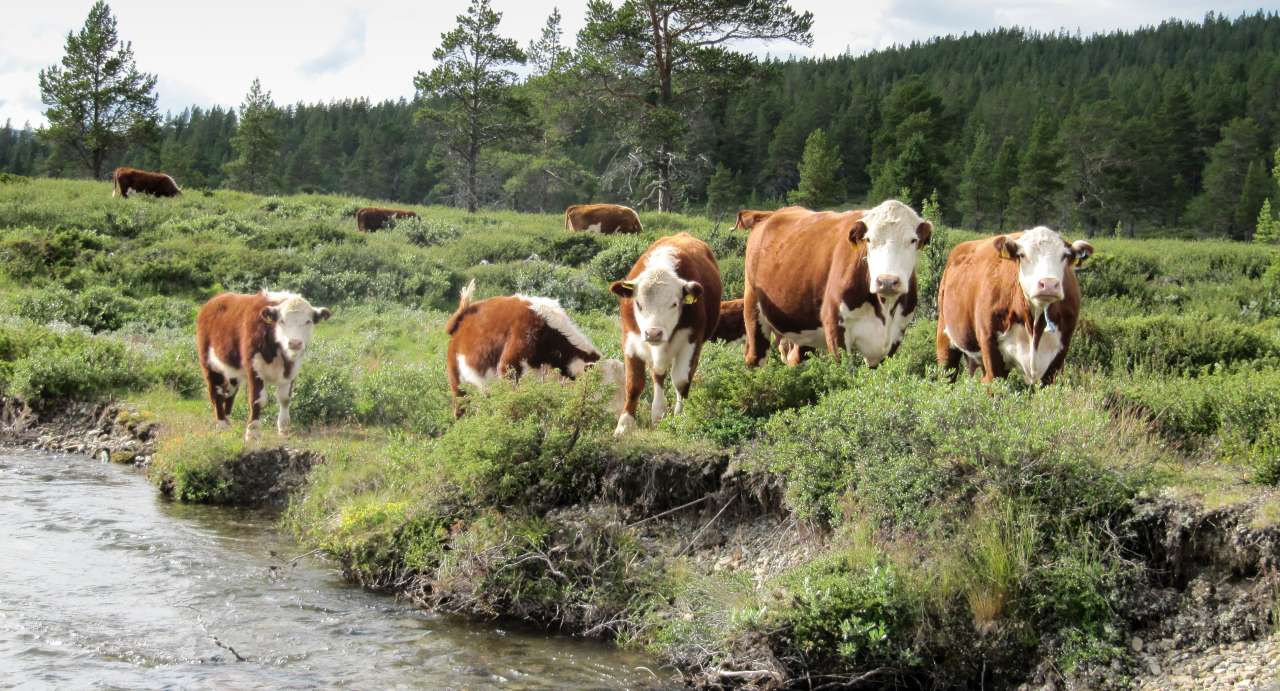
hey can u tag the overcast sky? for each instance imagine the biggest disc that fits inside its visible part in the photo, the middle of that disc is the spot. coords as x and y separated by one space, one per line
206 53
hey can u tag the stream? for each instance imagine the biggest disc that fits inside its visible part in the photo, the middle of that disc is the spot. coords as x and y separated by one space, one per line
105 584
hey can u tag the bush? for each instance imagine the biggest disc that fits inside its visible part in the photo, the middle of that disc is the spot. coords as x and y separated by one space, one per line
427 233
324 392
1167 344
193 468
1230 405
1264 454
615 261
74 367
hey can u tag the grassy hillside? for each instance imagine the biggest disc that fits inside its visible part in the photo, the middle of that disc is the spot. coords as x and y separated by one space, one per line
846 521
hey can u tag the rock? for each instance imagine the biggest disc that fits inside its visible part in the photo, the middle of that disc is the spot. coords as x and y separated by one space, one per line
1153 667
1136 644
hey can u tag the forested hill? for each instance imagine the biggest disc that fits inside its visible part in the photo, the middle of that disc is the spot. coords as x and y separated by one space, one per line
1169 127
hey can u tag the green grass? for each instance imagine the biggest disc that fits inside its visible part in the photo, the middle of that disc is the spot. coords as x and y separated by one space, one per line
967 527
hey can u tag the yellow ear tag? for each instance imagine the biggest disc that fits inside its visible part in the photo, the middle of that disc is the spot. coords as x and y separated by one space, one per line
629 285
690 299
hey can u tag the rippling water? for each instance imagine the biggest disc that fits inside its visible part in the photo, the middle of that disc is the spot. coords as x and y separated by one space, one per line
104 584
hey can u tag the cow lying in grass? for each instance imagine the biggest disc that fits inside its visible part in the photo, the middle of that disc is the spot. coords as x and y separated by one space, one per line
513 336
257 339
1010 303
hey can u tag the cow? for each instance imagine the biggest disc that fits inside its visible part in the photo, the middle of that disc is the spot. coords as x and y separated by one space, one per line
730 329
602 218
512 336
125 179
670 306
748 218
257 339
833 281
1010 303
372 218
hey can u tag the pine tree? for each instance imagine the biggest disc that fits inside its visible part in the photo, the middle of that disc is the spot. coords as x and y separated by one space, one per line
256 143
1005 176
1257 185
1268 227
820 183
1033 199
470 93
1220 207
98 102
978 184
724 192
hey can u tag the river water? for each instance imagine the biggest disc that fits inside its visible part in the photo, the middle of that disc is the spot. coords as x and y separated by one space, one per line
104 584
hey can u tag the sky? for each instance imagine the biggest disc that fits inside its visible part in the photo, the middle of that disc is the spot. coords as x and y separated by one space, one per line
207 53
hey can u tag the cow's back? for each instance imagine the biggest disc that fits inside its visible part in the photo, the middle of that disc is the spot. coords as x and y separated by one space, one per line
226 320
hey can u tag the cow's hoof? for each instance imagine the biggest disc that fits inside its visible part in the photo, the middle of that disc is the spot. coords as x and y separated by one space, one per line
222 425
626 424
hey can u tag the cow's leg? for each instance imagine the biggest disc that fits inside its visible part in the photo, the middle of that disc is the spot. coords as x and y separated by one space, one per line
831 328
1051 372
218 390
509 364
992 361
634 387
659 408
284 391
947 355
757 344
683 369
257 391
455 387
229 399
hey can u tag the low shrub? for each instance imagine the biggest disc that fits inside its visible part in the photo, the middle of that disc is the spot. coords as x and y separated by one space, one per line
73 366
324 392
193 467
615 261
1169 344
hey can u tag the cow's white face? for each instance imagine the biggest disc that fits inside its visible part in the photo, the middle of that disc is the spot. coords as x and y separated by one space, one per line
894 234
1043 257
658 296
293 319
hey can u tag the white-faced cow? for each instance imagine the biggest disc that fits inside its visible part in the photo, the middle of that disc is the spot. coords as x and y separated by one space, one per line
1010 303
257 339
834 281
513 336
670 305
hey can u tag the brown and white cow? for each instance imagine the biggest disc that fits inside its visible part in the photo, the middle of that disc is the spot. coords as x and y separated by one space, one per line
372 218
602 218
125 179
513 336
729 327
833 281
257 339
1010 303
748 218
670 305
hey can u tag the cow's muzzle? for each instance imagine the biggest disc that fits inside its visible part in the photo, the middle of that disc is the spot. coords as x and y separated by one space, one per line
888 285
654 336
296 345
1048 290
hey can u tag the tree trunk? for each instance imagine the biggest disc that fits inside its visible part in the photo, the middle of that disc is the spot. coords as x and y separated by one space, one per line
473 153
664 178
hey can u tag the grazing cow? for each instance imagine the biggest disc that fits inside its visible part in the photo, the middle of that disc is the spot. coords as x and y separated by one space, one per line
372 218
729 327
670 304
602 218
258 339
829 280
748 218
156 184
512 336
1010 303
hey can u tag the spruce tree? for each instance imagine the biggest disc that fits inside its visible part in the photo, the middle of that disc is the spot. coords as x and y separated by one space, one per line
1268 227
256 143
98 102
1219 208
1033 200
1005 176
978 184
820 183
1257 185
724 192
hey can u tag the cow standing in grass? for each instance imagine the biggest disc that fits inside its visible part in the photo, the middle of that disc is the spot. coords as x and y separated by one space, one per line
513 336
602 218
257 339
670 306
126 179
373 218
1010 303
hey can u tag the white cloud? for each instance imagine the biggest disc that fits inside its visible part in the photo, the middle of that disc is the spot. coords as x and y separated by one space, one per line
208 53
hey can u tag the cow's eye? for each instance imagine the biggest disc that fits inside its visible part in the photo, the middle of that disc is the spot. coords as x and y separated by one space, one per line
308 321
675 305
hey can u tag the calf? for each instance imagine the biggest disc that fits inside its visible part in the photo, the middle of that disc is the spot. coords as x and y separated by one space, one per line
258 339
602 218
373 218
839 281
730 329
670 305
748 218
125 179
511 336
1010 302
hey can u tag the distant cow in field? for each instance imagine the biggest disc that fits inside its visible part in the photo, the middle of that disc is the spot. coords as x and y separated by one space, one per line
602 218
839 281
373 218
513 336
670 305
257 339
125 180
1010 303
748 218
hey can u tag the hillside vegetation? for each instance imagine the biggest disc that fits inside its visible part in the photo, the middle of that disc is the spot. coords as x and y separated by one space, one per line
841 521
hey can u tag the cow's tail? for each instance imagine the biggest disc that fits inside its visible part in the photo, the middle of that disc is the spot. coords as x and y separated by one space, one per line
464 301
568 224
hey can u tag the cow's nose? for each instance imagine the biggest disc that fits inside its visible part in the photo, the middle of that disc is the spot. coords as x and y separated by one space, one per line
888 283
1049 286
295 344
653 335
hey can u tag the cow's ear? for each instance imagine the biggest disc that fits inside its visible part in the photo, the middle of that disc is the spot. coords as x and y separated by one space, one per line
1006 247
692 292
1080 251
270 315
623 289
322 314
924 231
858 232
